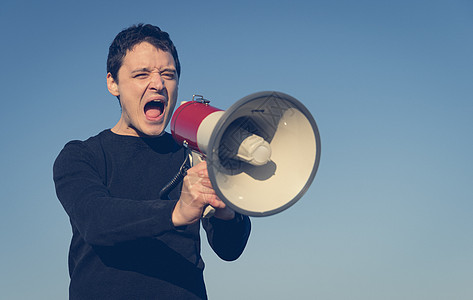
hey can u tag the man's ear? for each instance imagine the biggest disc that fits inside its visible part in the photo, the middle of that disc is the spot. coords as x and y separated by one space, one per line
112 85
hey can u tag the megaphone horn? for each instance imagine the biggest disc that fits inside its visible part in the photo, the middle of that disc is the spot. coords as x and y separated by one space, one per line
262 153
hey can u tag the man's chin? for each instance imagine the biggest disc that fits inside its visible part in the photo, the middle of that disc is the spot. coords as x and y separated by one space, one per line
152 131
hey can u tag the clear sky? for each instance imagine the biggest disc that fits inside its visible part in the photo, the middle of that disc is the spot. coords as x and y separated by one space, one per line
389 83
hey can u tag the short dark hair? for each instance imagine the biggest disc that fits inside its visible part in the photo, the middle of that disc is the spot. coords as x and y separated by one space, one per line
128 38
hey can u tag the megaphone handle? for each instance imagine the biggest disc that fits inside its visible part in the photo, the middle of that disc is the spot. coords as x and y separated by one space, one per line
209 211
196 157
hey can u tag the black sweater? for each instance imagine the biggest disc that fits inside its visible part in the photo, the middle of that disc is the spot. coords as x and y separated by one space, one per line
124 245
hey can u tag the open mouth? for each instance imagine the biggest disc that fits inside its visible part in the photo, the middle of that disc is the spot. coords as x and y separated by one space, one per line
154 109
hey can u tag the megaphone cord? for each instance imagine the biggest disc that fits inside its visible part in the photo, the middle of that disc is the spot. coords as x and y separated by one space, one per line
164 193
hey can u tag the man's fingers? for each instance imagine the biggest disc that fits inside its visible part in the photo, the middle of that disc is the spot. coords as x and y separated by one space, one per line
199 176
198 168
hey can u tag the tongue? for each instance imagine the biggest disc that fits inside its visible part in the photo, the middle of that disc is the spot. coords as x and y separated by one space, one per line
153 111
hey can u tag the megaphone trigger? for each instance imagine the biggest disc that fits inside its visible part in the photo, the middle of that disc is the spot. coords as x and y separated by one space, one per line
209 211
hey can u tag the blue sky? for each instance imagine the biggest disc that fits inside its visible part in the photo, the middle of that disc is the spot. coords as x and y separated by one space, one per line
390 213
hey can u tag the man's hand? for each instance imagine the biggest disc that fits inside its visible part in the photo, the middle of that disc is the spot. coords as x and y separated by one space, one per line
197 193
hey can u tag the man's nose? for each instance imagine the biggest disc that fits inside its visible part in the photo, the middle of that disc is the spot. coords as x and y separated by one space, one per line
157 82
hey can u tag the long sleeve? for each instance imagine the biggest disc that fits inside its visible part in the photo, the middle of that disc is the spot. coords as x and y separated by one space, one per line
101 218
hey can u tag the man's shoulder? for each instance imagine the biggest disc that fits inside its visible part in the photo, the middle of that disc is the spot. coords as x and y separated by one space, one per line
79 152
91 143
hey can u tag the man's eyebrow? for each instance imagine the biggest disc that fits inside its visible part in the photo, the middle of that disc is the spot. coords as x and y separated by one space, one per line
165 69
141 70
168 69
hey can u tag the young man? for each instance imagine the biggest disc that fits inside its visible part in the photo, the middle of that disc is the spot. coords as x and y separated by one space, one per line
127 243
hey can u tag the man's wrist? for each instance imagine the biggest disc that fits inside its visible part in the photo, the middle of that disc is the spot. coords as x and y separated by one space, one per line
176 218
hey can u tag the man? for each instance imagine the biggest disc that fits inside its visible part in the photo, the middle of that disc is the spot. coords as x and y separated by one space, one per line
127 243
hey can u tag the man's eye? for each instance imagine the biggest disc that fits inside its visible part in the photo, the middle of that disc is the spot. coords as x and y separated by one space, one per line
168 75
140 75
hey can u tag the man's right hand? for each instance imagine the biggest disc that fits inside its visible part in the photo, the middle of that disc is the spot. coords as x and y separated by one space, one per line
197 193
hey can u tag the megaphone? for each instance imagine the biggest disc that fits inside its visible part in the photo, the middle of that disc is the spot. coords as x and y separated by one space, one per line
262 153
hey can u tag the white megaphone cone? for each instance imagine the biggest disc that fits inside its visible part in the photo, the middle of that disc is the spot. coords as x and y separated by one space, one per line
262 153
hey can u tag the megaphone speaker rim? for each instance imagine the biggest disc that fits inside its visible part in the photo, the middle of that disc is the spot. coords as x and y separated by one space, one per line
212 155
